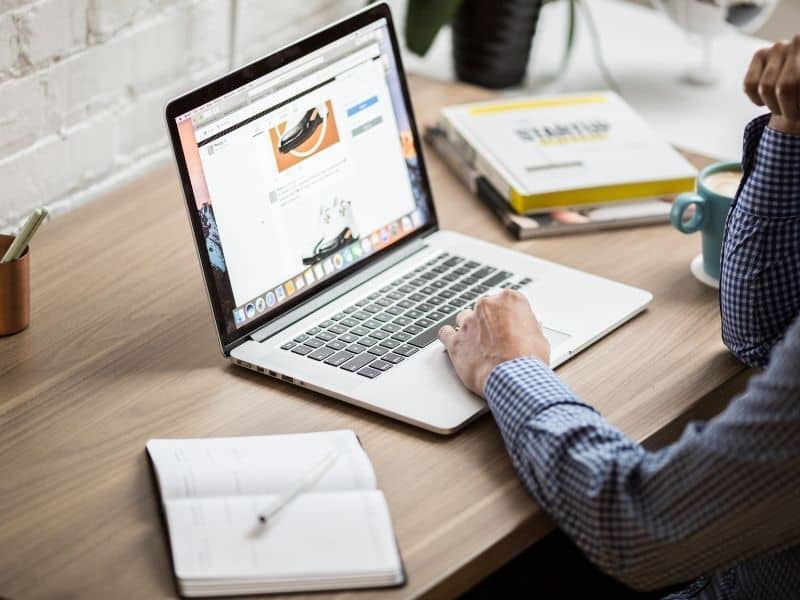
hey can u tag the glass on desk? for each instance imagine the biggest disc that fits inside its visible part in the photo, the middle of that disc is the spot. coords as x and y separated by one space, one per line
15 290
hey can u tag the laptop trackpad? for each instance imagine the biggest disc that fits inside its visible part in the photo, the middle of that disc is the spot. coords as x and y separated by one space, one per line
555 337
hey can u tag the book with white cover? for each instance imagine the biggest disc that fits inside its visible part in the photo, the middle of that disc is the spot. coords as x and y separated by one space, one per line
571 150
336 535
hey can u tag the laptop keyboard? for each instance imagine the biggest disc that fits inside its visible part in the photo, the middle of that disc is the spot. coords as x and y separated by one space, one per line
394 323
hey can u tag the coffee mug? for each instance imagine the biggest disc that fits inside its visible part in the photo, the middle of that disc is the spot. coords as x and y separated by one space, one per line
711 202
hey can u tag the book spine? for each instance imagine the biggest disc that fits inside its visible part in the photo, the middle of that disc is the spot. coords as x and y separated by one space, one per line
600 196
485 167
476 183
455 139
475 157
456 162
495 202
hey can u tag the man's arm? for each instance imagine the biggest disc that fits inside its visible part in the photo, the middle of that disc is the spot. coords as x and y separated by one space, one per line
760 279
714 498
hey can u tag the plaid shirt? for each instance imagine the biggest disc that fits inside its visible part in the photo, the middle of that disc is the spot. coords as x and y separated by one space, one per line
721 506
760 279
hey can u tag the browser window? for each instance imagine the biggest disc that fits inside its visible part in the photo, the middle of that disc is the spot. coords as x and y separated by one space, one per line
304 173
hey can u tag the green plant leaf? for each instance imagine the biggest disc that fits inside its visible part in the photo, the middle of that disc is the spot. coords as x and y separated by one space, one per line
424 19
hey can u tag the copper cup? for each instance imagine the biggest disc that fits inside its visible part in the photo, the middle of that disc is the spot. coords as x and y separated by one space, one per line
15 290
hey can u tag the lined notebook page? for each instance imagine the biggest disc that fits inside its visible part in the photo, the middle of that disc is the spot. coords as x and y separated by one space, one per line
324 536
196 468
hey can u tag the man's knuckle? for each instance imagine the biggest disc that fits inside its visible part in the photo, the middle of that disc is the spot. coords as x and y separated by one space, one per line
770 73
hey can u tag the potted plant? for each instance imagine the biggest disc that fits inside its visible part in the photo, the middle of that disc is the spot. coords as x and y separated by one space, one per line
491 38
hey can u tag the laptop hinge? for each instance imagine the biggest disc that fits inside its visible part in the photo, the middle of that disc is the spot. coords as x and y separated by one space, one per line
350 283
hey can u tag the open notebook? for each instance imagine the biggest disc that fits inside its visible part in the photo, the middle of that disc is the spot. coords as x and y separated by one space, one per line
336 535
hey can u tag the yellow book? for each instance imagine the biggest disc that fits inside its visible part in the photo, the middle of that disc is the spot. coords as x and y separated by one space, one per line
570 150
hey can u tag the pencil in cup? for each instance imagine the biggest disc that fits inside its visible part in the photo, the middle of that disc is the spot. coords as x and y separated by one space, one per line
15 290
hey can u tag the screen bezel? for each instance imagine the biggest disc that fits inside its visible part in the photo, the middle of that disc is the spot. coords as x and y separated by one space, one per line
230 338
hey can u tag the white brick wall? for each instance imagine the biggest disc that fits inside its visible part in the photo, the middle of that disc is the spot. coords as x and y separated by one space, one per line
83 84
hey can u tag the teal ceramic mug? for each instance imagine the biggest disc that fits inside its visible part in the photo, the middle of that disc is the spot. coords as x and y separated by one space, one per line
711 205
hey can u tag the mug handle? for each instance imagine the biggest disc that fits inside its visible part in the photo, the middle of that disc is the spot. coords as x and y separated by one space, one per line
698 220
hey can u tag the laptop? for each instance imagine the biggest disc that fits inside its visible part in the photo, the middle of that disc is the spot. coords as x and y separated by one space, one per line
317 234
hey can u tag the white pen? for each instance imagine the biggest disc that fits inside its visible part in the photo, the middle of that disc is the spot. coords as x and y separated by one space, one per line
313 475
23 238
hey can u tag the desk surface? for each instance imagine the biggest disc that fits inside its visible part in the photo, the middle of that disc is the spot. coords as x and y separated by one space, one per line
122 349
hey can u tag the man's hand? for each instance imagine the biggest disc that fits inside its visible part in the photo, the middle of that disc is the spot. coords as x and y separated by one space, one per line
501 328
773 79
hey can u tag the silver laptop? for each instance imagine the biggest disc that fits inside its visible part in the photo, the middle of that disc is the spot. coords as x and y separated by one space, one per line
317 233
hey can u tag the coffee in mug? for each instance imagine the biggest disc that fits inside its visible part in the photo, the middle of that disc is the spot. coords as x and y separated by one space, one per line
724 183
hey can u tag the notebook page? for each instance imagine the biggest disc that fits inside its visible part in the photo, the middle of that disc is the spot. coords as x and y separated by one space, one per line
193 468
317 536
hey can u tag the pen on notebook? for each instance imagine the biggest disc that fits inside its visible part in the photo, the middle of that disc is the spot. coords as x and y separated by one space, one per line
24 236
310 478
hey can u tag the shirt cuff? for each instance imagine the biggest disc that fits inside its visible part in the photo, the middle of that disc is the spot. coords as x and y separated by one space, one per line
521 389
771 165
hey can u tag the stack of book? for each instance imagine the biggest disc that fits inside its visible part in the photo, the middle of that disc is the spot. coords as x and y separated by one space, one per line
562 164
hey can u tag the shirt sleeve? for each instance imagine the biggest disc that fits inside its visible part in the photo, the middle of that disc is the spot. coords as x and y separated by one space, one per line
717 496
760 276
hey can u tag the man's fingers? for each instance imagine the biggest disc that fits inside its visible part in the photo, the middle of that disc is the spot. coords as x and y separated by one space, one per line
447 335
788 87
786 91
769 78
463 316
753 77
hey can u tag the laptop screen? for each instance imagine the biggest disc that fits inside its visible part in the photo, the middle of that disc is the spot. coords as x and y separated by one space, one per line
301 174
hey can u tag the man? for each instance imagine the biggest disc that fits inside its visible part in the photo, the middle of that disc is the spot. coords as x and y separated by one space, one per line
761 257
721 506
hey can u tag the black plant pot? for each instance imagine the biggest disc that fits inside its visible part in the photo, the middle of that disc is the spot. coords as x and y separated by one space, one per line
492 40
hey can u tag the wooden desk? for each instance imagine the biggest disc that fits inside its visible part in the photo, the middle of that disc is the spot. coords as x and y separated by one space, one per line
122 349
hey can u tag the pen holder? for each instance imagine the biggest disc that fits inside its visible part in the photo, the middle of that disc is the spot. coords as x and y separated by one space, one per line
15 290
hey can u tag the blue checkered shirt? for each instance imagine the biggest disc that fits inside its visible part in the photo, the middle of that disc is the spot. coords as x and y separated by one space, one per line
719 508
760 279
